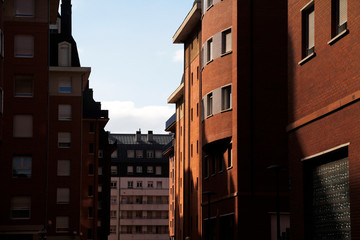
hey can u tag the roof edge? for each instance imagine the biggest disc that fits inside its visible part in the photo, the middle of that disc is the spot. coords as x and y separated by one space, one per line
190 21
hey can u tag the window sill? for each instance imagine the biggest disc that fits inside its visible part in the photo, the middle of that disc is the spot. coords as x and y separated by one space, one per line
226 53
307 58
229 167
208 62
338 37
209 116
208 8
226 110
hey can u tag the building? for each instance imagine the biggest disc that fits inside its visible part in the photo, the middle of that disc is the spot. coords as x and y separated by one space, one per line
139 187
323 118
231 110
53 144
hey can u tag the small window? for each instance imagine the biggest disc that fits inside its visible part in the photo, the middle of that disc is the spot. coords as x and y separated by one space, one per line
91 169
24 46
158 154
20 207
130 170
65 85
90 191
159 184
24 85
91 127
62 224
339 16
64 56
64 112
139 169
23 126
130 184
100 171
100 153
150 184
90 215
150 154
226 98
206 168
209 104
139 153
113 200
113 214
226 41
91 148
62 195
63 168
130 153
64 140
308 30
22 167
113 228
1 102
113 185
24 8
114 170
158 170
213 165
114 154
230 156
150 169
221 162
209 50
139 184
99 188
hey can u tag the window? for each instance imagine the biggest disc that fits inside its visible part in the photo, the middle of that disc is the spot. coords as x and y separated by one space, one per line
209 3
113 200
150 169
91 148
62 195
100 153
100 171
230 156
21 167
65 85
90 234
114 170
206 168
90 191
1 43
221 162
64 139
226 39
226 98
24 46
130 170
23 85
158 154
158 170
150 184
23 126
1 101
20 207
114 154
62 224
91 127
90 212
113 229
63 168
64 112
130 153
99 188
24 8
139 153
308 30
159 184
91 169
139 169
150 154
209 104
130 184
64 56
113 185
213 165
112 214
139 184
209 50
339 16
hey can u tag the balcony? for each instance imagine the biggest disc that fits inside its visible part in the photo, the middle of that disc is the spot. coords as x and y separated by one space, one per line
142 207
145 222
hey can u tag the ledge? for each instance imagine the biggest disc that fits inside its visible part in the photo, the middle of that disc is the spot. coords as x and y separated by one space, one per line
338 37
307 58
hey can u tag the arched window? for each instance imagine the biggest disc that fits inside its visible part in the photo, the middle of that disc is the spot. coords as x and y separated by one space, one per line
64 54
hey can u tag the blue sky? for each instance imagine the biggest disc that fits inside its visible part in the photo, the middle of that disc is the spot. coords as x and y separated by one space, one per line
135 66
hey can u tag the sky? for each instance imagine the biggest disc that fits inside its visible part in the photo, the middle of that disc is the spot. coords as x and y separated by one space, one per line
134 64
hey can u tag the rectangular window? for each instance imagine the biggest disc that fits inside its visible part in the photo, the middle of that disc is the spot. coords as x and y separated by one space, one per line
209 50
90 191
139 184
339 16
206 168
158 170
22 167
20 207
112 214
113 200
150 154
230 156
226 98
221 162
90 212
150 169
99 188
62 224
64 58
213 165
130 153
24 8
139 153
1 43
113 185
209 104
90 234
308 30
62 195
24 46
1 102
100 153
91 169
64 139
64 112
226 39
113 229
130 184
150 184
100 171
23 85
23 126
159 184
114 170
63 168
65 85
130 170
139 169
158 154
91 148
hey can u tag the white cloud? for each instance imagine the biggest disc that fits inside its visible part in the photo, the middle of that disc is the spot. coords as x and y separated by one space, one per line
125 117
179 56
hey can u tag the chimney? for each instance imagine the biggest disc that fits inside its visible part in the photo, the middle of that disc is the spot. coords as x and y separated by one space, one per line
138 136
150 136
66 17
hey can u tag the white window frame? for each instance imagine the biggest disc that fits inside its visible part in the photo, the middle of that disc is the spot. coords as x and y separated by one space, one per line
209 101
210 50
226 39
64 48
226 97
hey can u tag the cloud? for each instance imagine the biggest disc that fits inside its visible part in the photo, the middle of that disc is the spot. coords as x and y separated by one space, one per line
179 56
125 117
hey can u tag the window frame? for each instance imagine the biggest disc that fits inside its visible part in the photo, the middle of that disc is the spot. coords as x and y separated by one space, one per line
209 50
338 28
23 208
224 42
308 26
209 105
61 142
64 112
23 167
18 128
19 50
226 98
29 14
20 80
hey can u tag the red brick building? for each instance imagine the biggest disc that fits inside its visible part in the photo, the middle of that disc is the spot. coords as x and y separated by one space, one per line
54 150
231 119
323 118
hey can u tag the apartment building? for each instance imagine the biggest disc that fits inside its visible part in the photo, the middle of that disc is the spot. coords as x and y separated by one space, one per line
139 201
52 130
231 107
323 118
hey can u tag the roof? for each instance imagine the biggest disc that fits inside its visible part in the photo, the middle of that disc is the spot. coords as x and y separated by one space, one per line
161 139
